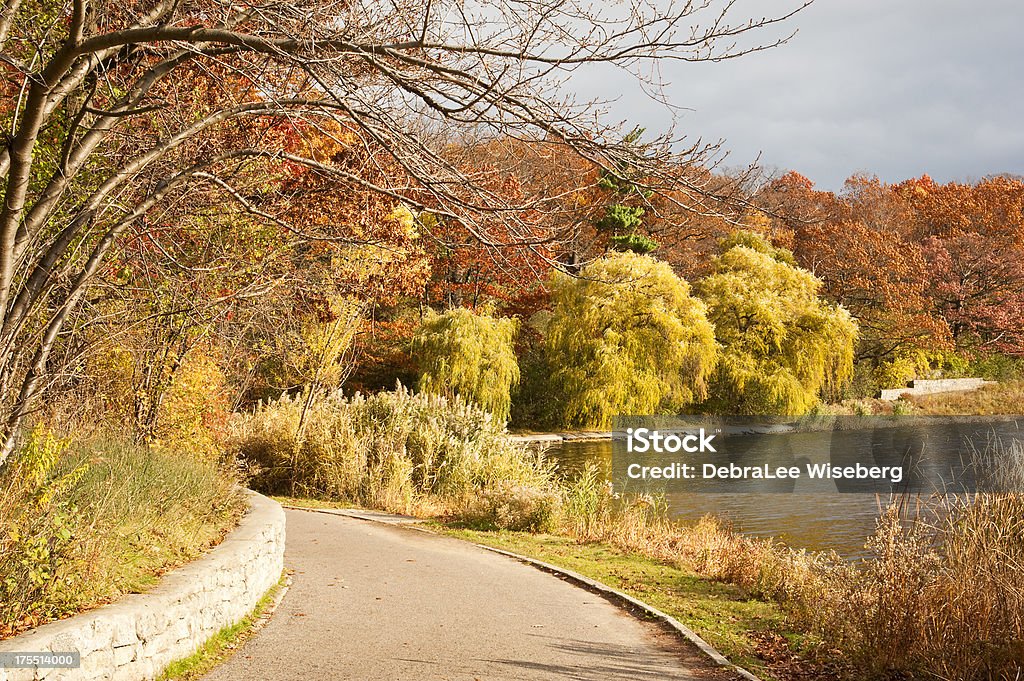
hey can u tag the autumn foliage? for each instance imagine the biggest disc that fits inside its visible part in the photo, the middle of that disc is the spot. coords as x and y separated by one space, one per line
626 337
925 277
783 348
923 266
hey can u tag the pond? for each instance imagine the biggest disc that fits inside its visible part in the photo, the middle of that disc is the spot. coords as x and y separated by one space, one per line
815 519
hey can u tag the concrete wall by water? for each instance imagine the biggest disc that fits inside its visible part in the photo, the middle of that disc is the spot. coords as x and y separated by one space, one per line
930 387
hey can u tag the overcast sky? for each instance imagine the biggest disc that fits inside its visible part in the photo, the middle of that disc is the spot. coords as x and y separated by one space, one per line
896 88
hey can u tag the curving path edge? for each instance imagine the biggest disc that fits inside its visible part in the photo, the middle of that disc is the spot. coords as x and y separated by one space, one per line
139 635
377 601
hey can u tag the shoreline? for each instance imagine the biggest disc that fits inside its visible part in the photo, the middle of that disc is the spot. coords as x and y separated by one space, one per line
809 424
566 436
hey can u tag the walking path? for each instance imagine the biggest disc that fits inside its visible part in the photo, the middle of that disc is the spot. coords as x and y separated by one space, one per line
389 603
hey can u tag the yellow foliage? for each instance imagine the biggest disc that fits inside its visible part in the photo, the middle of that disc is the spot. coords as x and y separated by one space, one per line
406 220
315 350
782 345
469 354
626 338
110 371
193 413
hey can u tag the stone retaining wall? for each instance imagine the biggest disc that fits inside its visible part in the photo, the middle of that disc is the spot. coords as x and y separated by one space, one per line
137 637
930 387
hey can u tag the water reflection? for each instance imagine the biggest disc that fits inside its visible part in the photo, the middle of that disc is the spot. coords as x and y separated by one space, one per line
813 518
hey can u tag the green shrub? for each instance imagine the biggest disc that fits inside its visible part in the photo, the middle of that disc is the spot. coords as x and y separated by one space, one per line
533 405
637 243
997 367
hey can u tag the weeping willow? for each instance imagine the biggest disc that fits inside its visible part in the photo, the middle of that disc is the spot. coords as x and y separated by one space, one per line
626 337
782 346
472 355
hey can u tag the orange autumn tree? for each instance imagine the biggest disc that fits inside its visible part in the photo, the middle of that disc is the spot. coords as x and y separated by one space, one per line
350 254
993 206
924 266
856 244
973 241
867 262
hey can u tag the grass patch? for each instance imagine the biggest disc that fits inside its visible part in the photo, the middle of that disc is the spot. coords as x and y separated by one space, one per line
723 614
225 642
82 524
1002 399
998 399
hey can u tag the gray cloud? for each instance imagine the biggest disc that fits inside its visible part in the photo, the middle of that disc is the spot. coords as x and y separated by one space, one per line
893 87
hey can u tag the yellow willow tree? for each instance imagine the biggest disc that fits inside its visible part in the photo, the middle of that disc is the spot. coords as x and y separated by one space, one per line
461 352
782 346
626 337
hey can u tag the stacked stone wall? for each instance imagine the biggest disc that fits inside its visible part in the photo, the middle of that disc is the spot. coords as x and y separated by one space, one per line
137 637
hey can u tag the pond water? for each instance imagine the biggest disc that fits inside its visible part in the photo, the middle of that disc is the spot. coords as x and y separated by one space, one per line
812 519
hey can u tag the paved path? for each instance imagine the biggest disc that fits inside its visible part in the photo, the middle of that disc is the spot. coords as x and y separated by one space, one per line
389 603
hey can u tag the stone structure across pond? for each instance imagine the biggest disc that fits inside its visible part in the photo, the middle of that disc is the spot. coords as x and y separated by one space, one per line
930 387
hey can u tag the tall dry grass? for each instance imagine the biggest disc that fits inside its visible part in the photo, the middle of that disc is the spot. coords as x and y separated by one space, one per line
941 598
710 547
1003 398
941 595
399 451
